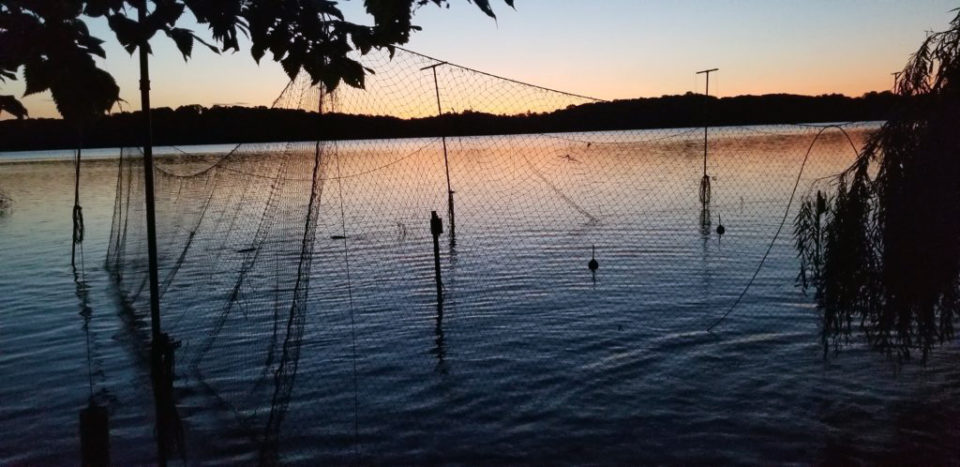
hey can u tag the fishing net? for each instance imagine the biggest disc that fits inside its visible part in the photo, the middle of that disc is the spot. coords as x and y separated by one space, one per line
299 277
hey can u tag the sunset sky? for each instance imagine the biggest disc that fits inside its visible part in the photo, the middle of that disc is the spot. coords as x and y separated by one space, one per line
608 49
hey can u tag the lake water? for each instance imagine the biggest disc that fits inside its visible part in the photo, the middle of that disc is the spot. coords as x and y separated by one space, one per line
533 360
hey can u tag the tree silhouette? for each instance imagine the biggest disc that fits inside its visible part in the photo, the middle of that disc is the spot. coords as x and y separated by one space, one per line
55 49
883 251
50 40
194 124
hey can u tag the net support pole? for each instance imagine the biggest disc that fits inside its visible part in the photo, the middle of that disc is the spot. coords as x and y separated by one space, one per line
436 228
159 352
446 162
77 210
148 186
705 181
705 123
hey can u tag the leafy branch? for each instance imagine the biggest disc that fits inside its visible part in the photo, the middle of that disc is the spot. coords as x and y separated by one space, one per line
51 43
884 252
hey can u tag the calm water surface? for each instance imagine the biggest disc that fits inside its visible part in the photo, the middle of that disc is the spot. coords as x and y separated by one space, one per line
534 359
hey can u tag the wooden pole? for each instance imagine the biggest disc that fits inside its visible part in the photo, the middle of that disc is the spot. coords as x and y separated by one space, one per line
436 228
705 123
446 162
148 184
705 181
161 354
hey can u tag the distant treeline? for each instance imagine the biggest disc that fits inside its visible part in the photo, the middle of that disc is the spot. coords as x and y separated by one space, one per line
195 124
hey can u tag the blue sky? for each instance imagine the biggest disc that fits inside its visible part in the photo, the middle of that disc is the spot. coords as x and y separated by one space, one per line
602 48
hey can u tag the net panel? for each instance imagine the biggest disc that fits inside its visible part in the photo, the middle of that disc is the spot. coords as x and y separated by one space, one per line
299 277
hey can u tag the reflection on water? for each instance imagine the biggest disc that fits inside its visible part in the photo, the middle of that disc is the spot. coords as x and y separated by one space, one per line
94 429
530 356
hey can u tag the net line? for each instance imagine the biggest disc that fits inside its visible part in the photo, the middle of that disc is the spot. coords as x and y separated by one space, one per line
295 302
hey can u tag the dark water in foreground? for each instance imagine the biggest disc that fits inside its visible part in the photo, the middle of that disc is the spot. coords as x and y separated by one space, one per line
534 361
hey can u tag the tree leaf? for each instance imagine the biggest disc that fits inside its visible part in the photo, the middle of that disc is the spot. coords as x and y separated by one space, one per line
37 75
291 66
127 31
183 38
257 50
166 13
210 46
92 45
84 93
484 6
351 72
5 75
12 105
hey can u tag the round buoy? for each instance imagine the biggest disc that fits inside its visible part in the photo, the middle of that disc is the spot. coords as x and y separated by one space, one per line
593 264
720 228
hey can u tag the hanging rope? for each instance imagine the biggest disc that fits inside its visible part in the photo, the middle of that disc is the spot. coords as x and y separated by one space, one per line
353 325
80 282
783 221
346 262
78 229
94 418
593 219
502 78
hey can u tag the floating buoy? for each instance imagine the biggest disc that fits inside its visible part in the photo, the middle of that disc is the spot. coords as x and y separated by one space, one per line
593 264
720 228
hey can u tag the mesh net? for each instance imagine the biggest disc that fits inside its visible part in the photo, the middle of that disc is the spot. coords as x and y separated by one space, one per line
299 277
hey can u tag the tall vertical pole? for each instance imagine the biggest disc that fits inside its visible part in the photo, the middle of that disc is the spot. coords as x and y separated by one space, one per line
148 184
705 121
705 181
706 124
446 162
159 345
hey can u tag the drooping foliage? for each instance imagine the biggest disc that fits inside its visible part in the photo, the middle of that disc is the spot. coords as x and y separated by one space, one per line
56 51
884 253
50 40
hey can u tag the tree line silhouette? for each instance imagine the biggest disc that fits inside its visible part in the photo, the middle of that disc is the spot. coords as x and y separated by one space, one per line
195 124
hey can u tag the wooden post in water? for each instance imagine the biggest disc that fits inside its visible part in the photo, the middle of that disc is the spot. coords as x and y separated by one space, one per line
436 228
94 436
446 163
